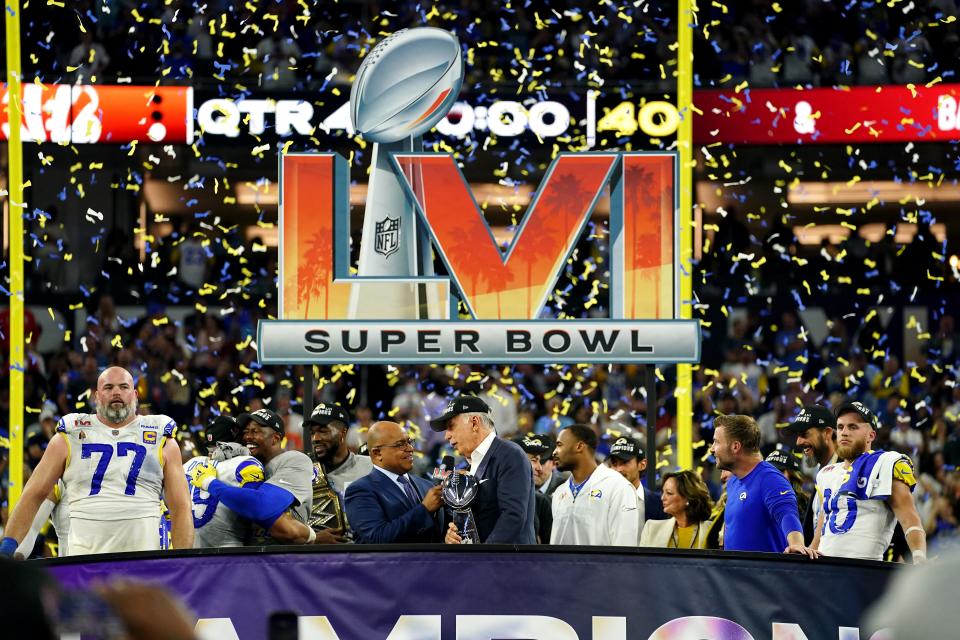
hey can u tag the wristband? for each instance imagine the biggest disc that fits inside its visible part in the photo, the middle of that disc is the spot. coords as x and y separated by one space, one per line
8 546
312 537
920 529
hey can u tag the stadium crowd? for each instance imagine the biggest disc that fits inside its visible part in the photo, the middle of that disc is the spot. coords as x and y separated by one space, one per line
283 45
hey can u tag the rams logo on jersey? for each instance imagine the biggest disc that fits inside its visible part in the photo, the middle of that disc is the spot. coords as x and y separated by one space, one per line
150 437
596 494
249 471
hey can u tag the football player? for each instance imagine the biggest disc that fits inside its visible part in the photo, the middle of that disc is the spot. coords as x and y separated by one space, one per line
863 495
115 464
229 493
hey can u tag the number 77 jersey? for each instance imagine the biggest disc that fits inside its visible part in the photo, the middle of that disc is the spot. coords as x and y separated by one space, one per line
114 474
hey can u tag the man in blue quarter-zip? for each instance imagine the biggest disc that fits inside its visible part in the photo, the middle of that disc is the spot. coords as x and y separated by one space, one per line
761 512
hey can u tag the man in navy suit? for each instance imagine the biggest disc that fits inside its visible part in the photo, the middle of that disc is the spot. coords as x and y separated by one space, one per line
388 504
504 506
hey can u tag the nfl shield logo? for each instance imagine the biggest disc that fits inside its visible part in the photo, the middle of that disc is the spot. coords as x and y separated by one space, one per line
387 236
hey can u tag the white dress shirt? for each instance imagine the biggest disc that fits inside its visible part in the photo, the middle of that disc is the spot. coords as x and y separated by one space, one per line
477 456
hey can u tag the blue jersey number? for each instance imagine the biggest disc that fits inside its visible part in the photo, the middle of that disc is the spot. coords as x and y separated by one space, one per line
205 506
105 451
833 507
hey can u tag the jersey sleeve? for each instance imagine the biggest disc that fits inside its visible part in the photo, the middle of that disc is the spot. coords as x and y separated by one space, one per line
903 471
169 426
296 476
891 466
67 423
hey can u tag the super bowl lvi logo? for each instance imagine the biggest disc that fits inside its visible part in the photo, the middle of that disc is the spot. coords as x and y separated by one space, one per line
403 88
490 305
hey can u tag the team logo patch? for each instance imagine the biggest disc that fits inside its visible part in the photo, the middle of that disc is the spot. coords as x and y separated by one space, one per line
743 496
596 494
387 236
150 437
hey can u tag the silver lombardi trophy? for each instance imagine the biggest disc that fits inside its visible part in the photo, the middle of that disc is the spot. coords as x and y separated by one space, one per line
403 88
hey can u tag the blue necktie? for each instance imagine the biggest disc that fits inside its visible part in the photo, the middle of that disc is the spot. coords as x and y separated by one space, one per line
409 490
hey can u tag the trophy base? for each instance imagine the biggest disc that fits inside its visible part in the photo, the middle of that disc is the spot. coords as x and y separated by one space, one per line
466 527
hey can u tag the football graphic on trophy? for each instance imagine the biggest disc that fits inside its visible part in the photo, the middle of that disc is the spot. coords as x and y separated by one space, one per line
406 84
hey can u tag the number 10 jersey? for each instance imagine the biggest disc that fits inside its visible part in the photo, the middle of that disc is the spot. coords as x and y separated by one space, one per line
114 474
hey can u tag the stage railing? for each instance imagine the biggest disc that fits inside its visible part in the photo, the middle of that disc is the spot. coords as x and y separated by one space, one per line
410 592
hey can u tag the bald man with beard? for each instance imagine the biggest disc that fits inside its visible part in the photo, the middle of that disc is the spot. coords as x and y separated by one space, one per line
388 504
115 465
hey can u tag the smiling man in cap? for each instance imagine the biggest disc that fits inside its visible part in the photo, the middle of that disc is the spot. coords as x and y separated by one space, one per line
235 481
504 506
866 494
292 471
817 439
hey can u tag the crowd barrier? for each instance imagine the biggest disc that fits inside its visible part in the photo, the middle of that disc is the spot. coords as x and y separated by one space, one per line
406 592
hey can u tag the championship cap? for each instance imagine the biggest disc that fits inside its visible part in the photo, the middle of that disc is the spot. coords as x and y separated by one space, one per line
535 445
326 413
784 460
461 404
861 410
263 417
626 449
812 415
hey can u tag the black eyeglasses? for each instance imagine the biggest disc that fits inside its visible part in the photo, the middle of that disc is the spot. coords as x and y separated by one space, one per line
400 444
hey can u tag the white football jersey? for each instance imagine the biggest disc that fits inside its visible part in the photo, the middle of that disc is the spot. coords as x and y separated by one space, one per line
215 524
860 524
61 518
114 474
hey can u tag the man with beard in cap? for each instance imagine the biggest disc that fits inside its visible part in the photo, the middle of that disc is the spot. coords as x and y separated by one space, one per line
866 494
338 467
328 435
536 448
816 438
229 493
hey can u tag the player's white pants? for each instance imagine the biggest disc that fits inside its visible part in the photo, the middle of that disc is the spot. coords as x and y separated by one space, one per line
111 536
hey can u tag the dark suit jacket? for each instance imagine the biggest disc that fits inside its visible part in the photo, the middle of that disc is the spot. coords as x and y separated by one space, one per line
543 517
379 512
653 506
504 506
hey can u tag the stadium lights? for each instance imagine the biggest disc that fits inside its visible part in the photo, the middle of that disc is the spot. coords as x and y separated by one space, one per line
873 232
867 190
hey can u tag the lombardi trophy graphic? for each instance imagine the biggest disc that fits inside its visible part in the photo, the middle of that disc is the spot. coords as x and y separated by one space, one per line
404 87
